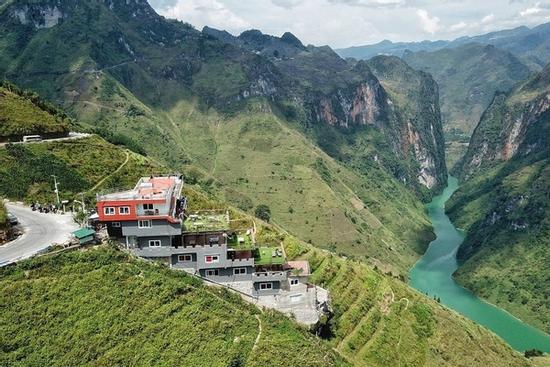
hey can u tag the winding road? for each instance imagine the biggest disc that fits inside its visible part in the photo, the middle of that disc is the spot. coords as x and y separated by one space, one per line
39 231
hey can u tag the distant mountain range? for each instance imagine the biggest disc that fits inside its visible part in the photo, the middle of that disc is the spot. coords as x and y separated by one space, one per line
532 45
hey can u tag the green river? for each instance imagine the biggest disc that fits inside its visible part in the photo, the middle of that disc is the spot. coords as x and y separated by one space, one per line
433 275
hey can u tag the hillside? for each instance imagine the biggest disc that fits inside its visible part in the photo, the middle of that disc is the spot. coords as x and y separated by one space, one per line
101 307
503 203
79 166
241 124
468 77
23 113
86 293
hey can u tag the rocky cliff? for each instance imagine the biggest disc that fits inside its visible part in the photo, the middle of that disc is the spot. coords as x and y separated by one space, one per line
514 126
503 203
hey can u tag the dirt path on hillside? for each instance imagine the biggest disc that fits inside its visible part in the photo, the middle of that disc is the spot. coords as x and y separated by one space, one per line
111 174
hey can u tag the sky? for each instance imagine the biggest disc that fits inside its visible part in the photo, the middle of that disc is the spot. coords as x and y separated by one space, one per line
344 23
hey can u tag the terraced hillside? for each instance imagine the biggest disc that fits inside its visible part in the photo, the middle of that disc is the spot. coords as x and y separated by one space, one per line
373 311
101 307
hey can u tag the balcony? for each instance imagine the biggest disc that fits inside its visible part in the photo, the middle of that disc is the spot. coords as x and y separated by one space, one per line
269 276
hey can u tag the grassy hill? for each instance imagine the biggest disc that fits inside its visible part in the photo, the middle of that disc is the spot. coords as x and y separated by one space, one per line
24 113
503 203
374 311
468 77
80 165
216 113
100 307
106 304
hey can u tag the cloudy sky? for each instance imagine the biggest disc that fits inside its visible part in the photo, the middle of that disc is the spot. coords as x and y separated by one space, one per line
343 23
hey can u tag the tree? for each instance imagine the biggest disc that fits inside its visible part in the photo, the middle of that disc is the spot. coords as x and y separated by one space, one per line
263 212
533 353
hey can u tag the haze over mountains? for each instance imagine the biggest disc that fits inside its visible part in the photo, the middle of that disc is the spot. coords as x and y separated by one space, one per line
344 152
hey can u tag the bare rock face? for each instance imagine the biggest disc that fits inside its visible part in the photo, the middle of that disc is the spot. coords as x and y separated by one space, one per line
360 105
508 129
39 16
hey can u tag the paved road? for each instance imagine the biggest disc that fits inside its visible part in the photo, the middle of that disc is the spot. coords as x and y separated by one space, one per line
72 136
39 231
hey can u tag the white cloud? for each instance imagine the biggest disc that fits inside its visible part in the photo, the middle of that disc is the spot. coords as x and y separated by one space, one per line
531 11
205 12
458 26
343 23
428 24
488 18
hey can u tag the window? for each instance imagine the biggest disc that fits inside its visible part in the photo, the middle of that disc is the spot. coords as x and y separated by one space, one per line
294 281
239 271
147 206
115 224
124 210
144 224
109 210
214 240
155 243
187 257
265 286
212 273
212 259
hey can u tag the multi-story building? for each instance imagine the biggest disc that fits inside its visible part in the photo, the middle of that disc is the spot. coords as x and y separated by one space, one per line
147 217
152 221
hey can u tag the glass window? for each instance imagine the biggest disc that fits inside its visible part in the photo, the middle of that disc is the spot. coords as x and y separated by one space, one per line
186 257
212 272
147 206
294 281
109 210
124 210
212 259
239 271
155 243
144 224
115 224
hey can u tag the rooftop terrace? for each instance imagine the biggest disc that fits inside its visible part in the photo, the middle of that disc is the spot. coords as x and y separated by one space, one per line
148 188
269 256
206 221
240 241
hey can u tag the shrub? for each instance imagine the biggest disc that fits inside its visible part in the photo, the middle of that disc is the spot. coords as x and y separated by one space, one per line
263 212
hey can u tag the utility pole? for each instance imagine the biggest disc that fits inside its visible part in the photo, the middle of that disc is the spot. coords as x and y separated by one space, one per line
56 189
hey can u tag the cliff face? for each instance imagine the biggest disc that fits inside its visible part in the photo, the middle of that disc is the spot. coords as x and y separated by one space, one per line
512 127
503 202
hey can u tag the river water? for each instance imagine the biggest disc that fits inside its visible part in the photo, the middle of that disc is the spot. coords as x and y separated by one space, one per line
433 275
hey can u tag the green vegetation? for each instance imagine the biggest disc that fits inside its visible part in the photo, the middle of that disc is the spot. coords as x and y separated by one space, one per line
468 76
24 113
206 221
238 124
379 321
268 256
3 215
100 307
263 212
503 204
79 165
505 213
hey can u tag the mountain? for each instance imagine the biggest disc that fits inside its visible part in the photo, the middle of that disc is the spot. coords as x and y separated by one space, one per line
112 301
352 101
468 77
503 203
531 45
253 120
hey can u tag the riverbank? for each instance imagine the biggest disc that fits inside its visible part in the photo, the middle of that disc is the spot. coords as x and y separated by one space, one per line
432 275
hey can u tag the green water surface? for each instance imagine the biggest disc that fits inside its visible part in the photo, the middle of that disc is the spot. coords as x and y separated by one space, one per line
433 275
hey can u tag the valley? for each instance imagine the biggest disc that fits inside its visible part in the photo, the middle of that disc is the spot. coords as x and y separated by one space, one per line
413 179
